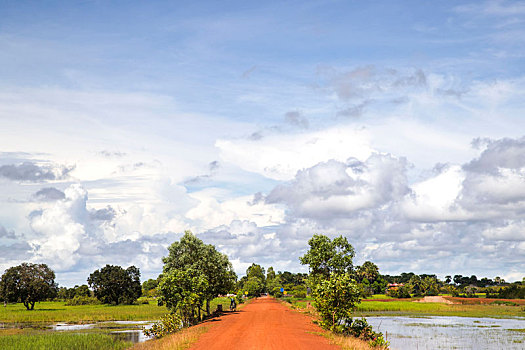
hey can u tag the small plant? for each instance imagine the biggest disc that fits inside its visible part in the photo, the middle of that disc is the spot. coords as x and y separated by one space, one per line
361 329
168 324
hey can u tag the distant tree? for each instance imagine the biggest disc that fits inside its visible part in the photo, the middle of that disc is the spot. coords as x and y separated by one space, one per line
114 285
149 286
368 270
254 286
429 286
270 274
448 279
414 285
28 283
256 271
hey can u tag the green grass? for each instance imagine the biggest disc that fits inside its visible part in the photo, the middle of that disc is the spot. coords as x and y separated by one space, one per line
52 312
61 341
409 308
380 296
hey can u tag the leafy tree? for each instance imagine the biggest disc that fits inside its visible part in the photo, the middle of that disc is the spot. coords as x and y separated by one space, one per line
368 270
28 283
114 285
326 257
335 292
270 274
82 291
335 299
256 271
201 261
183 292
414 285
429 286
254 286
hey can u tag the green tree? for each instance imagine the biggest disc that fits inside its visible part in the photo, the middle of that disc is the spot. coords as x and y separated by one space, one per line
114 285
368 270
201 260
28 283
270 274
326 257
429 286
335 299
334 289
414 285
183 292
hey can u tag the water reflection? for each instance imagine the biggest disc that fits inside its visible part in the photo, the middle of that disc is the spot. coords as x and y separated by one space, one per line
440 332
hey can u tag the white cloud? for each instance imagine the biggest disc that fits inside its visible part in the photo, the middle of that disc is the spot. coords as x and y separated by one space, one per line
281 156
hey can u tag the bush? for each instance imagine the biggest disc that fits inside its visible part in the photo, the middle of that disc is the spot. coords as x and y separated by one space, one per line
299 292
82 300
167 324
276 292
361 329
512 292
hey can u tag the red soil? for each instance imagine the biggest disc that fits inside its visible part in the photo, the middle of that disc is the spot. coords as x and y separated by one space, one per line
263 324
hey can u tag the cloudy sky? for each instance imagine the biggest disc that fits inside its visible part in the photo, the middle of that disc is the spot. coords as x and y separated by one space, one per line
398 124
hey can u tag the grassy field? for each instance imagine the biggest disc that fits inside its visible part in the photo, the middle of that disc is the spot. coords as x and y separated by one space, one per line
61 341
53 311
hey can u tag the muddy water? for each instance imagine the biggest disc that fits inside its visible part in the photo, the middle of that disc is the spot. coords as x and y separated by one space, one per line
440 332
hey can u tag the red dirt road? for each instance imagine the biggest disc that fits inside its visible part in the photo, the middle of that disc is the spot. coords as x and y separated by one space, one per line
263 324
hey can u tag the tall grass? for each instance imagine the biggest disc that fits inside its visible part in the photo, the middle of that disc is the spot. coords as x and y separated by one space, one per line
62 341
350 343
50 312
178 341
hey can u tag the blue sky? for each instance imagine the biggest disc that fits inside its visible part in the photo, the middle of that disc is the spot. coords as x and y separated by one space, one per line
398 124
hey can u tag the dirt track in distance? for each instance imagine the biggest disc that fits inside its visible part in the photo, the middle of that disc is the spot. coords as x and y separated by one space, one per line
262 325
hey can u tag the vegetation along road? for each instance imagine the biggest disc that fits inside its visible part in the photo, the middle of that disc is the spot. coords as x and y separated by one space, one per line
263 324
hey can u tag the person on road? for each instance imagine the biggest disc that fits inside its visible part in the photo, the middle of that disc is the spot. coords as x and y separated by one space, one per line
233 304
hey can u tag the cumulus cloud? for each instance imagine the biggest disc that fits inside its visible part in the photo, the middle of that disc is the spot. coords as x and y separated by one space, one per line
336 189
70 236
30 171
49 194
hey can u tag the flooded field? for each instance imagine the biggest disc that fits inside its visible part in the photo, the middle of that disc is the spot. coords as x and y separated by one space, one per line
443 332
131 331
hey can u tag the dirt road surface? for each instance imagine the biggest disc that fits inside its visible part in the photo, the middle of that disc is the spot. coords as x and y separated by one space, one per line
263 324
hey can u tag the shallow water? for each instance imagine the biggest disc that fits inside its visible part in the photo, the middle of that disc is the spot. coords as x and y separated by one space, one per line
442 332
124 330
133 335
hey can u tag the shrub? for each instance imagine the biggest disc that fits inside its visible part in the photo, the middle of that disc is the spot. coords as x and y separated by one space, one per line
299 292
82 300
168 324
361 329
